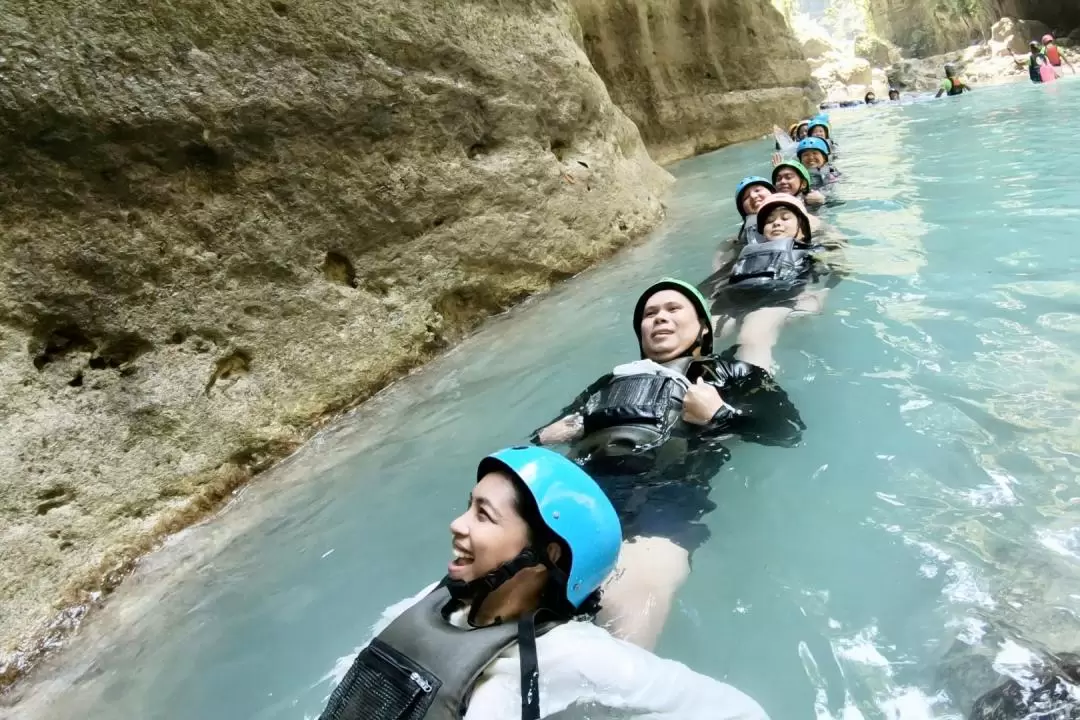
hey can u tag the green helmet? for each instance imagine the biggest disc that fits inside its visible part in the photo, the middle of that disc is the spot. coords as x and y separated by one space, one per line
701 305
797 167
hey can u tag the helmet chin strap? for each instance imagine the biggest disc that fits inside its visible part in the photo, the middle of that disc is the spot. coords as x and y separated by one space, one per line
476 591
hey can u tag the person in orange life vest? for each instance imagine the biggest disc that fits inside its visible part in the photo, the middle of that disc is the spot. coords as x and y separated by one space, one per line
1054 54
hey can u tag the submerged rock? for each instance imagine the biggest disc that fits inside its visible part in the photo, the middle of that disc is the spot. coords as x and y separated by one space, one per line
1012 653
223 220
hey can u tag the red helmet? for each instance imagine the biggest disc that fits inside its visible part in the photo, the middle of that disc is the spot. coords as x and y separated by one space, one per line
1047 39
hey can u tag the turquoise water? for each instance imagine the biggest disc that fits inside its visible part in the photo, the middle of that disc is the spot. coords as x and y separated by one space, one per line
935 490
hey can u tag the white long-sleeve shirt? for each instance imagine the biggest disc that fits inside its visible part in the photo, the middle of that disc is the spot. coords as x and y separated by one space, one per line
583 665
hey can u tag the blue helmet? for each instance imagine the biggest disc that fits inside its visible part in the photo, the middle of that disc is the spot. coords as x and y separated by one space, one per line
745 184
572 506
823 117
819 122
812 143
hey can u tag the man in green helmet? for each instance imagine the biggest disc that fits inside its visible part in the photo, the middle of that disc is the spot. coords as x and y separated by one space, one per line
792 177
651 432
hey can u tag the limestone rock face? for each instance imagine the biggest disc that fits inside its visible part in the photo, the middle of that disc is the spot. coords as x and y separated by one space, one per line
221 221
931 27
845 78
696 76
1009 35
816 47
879 53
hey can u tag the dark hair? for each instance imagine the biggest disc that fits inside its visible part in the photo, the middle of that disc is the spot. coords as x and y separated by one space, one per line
867 96
1050 696
553 598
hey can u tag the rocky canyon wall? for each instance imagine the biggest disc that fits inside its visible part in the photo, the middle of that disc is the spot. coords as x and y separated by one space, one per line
220 221
931 27
695 75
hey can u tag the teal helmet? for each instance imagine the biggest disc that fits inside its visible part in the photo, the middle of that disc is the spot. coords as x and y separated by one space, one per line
797 167
747 183
822 123
701 305
572 506
812 143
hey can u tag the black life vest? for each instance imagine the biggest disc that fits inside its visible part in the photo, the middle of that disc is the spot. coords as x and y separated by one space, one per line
633 424
748 233
771 266
421 667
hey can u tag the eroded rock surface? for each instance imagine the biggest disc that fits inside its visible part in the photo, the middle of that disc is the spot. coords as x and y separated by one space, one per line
931 27
695 76
221 221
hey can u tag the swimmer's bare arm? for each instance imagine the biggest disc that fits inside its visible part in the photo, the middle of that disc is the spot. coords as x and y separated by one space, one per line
570 425
725 254
815 198
568 429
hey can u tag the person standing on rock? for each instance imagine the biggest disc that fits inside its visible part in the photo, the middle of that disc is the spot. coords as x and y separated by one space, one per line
651 433
1054 54
506 634
953 84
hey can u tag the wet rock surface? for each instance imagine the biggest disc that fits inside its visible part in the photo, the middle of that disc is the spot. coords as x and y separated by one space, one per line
696 76
222 222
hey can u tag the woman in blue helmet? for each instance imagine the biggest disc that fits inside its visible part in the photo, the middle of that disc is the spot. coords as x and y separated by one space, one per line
819 128
749 194
501 637
814 153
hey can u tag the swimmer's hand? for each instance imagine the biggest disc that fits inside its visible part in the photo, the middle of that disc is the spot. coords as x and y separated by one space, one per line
568 429
777 158
815 197
701 402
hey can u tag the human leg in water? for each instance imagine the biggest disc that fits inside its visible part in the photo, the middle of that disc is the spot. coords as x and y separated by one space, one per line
638 596
758 335
724 326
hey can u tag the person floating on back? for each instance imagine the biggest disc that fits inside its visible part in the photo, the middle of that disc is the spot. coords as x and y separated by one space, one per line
787 274
651 431
953 84
814 154
793 178
506 634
